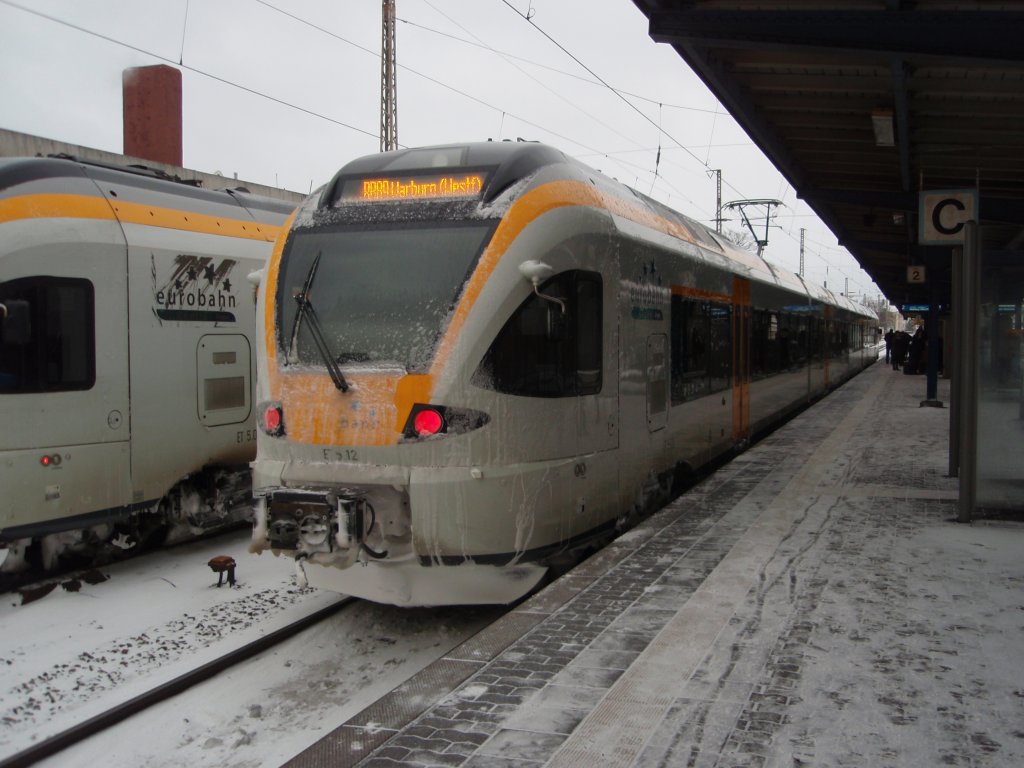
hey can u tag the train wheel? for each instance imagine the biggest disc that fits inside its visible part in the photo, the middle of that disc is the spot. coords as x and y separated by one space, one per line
14 556
140 533
150 531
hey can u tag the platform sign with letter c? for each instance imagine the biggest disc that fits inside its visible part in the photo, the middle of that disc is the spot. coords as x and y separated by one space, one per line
943 213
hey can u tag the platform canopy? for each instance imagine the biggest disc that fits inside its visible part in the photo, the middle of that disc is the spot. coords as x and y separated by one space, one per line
864 104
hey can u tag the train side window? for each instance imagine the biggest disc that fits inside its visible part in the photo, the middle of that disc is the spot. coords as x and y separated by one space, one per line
698 349
47 335
543 352
797 331
719 346
817 334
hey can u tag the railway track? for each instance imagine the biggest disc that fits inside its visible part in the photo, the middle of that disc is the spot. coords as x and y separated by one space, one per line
81 731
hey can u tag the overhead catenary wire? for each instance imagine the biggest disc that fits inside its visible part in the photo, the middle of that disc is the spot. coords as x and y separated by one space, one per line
184 30
705 164
711 138
194 70
557 70
657 159
504 113
541 83
658 176
426 77
529 20
282 102
277 100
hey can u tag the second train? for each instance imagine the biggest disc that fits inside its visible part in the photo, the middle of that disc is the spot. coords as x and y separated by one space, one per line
478 359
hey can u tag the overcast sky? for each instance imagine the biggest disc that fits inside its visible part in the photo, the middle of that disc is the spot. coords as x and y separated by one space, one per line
284 92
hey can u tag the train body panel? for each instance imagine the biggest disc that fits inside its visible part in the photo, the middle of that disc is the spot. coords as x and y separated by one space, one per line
55 441
479 359
70 264
126 363
197 373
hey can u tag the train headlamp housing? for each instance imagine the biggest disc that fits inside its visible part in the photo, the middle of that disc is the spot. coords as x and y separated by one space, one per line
429 420
270 417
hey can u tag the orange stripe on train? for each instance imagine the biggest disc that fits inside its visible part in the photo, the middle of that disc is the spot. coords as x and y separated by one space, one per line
316 414
88 207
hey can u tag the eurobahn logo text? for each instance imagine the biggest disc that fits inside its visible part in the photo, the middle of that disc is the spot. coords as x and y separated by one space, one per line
196 282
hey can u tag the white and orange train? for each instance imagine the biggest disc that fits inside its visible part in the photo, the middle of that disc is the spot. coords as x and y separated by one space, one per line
126 356
479 358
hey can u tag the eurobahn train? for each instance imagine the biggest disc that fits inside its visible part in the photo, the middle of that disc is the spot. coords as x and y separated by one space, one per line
126 357
479 358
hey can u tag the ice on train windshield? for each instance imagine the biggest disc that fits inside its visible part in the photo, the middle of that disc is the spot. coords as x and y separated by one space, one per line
380 295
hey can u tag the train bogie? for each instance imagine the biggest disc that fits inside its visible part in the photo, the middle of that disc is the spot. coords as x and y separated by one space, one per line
478 359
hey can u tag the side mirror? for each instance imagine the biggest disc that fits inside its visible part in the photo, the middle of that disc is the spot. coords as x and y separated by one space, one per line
537 272
16 322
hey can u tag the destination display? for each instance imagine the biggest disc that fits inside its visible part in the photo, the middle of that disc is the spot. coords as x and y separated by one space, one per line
437 186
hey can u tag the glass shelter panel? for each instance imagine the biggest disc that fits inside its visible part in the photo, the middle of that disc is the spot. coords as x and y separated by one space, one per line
1000 473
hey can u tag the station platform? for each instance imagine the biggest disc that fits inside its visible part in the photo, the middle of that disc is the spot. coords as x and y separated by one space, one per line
812 603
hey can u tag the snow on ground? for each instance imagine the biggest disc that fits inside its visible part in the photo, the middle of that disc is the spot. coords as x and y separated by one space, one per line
912 658
71 655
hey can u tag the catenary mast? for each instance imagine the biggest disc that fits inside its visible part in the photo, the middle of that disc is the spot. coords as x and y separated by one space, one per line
388 92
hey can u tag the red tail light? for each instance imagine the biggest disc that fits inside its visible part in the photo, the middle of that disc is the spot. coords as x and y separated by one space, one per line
427 422
271 418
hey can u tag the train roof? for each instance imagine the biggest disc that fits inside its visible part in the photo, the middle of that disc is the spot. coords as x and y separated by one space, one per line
55 175
510 163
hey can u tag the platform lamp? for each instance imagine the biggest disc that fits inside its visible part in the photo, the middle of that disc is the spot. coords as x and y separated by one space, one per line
881 122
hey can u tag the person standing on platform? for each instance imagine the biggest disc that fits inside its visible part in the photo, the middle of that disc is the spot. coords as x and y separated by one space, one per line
900 344
888 345
918 345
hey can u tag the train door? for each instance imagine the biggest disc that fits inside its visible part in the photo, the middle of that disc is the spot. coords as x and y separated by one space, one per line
741 332
828 346
597 428
657 381
63 372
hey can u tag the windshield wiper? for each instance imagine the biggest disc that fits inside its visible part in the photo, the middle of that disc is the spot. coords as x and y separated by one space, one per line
306 311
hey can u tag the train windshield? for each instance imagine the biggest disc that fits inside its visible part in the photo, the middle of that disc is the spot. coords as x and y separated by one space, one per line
380 295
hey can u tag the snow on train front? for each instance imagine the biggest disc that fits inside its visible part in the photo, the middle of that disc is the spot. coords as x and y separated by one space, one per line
374 442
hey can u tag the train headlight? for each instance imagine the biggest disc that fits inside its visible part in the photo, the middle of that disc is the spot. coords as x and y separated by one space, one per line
271 418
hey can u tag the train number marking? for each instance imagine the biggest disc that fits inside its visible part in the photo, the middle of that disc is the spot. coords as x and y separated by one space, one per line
346 455
245 436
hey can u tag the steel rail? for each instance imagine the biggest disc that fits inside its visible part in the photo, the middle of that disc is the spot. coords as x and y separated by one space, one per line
77 733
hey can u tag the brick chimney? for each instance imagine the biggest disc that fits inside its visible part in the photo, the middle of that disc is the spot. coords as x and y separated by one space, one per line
152 113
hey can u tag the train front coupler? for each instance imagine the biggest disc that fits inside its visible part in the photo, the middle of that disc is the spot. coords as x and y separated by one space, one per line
327 527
